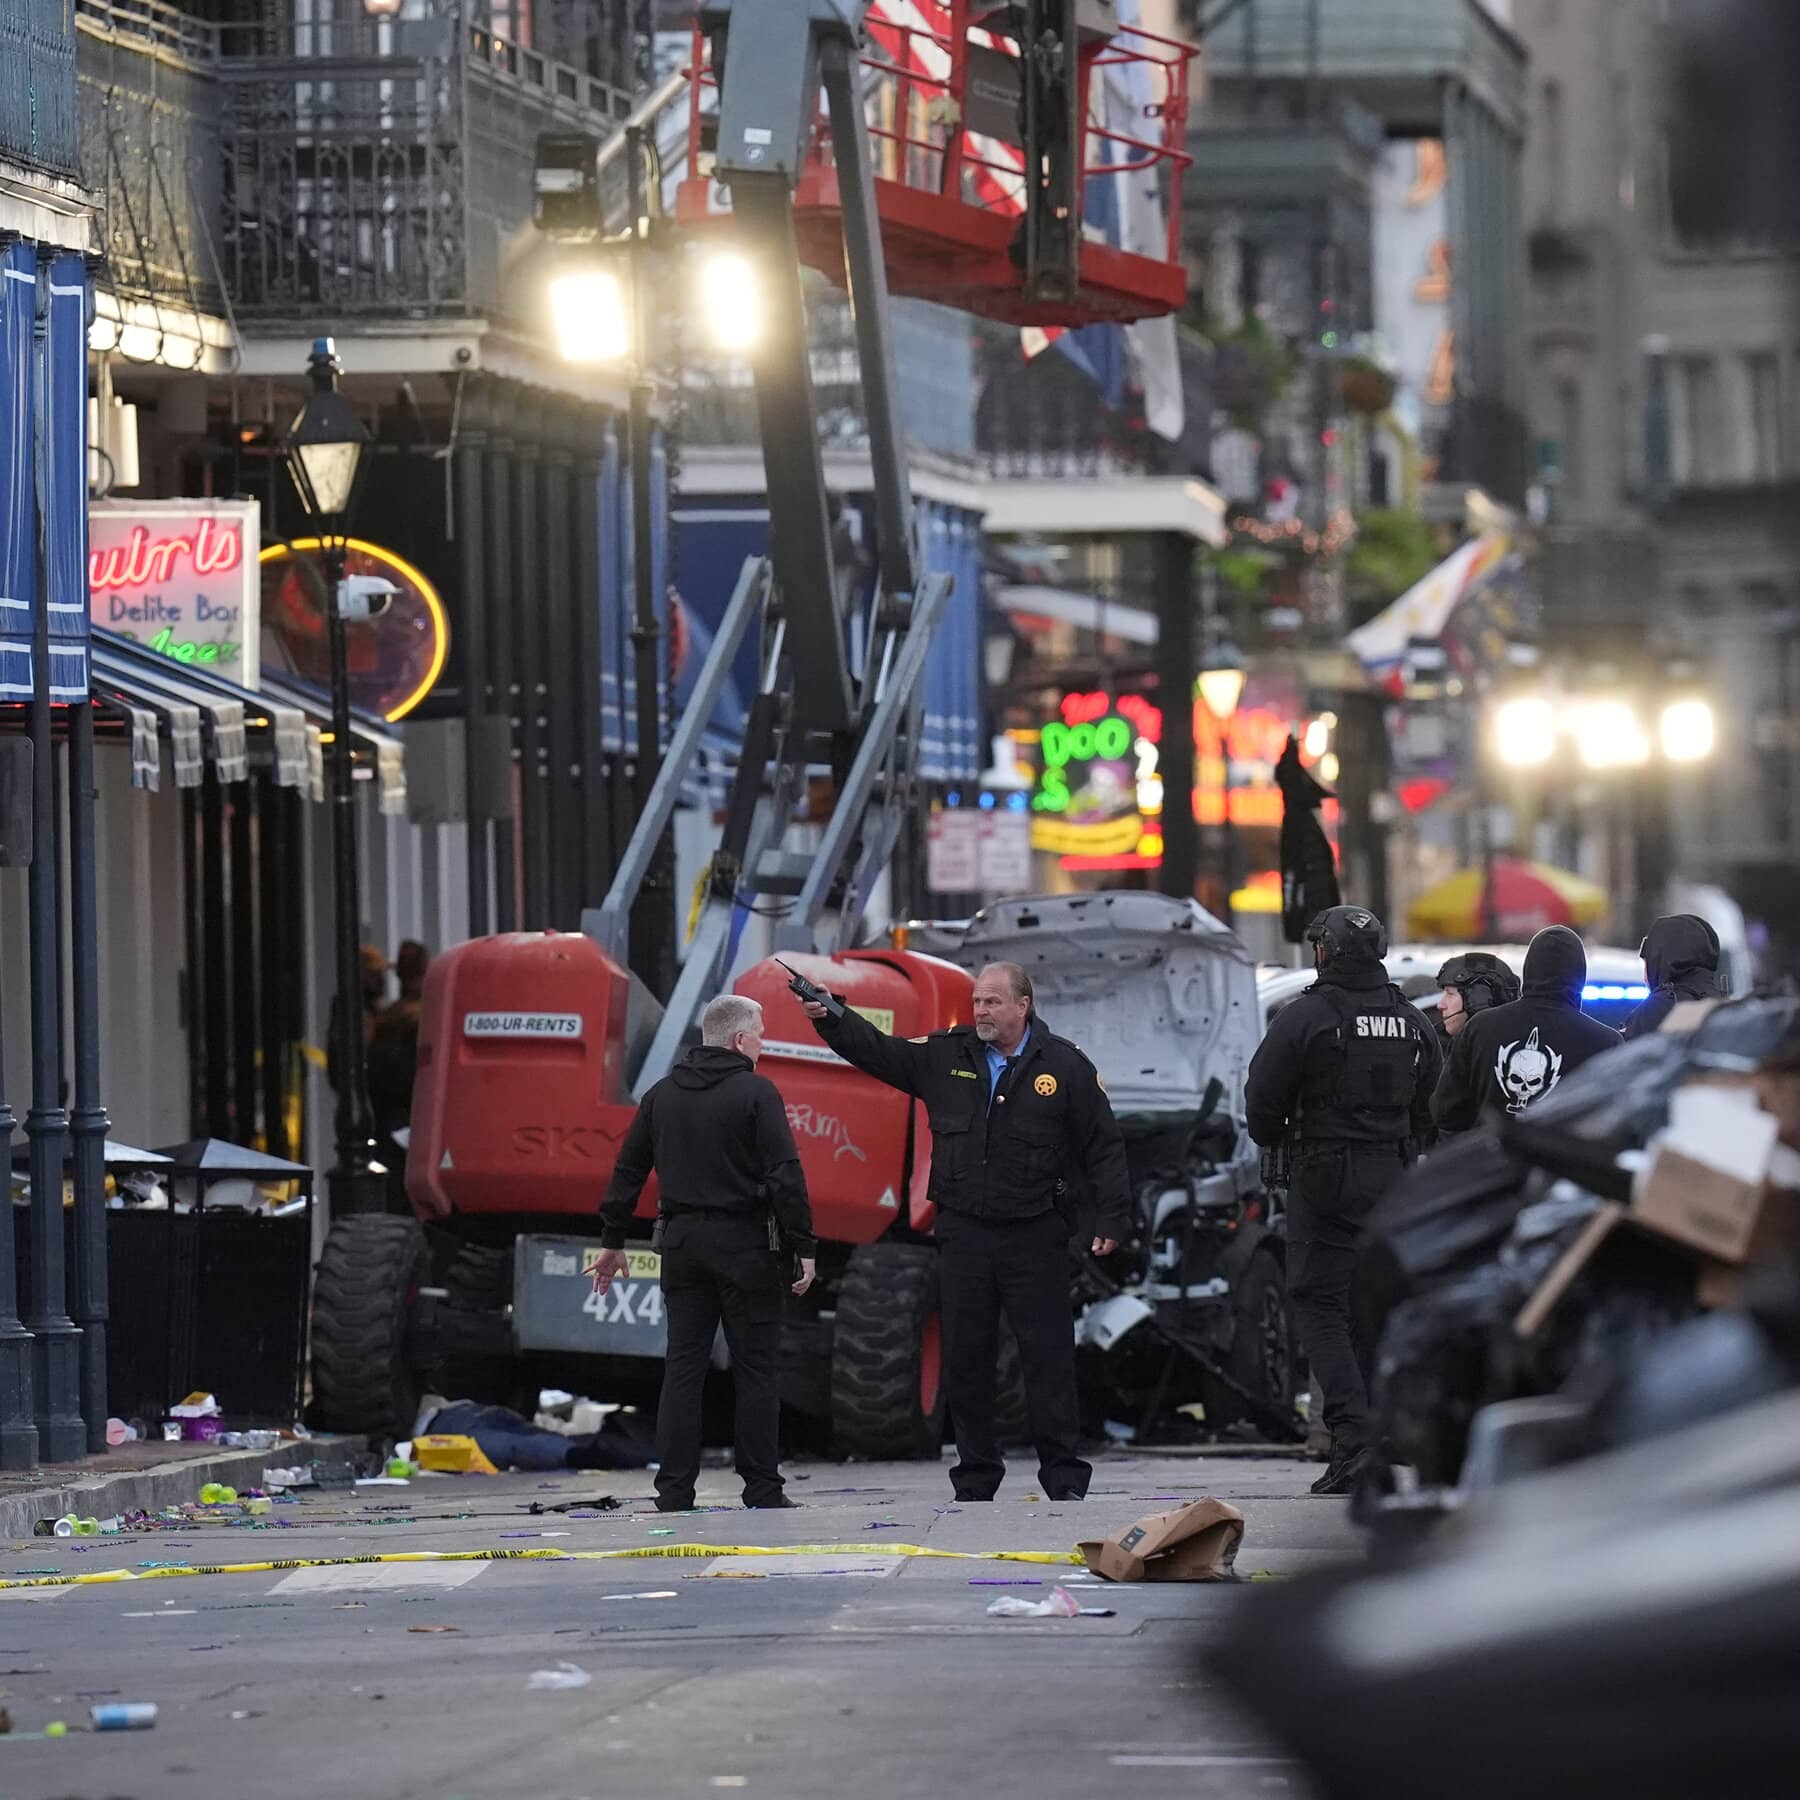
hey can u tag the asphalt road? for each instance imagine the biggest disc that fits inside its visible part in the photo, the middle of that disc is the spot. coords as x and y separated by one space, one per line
838 1674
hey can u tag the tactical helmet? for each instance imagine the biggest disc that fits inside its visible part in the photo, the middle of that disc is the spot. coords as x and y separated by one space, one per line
1348 931
1482 979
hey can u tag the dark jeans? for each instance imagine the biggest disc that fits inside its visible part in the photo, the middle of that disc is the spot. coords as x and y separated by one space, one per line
1020 1270
720 1270
1335 1187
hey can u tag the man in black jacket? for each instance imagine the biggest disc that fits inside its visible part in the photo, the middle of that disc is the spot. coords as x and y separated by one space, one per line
1014 1110
1681 962
1345 1072
733 1214
1511 1056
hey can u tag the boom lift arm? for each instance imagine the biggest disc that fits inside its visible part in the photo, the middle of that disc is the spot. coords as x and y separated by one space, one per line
770 59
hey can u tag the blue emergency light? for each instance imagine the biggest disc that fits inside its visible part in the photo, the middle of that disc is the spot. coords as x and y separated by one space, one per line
1613 990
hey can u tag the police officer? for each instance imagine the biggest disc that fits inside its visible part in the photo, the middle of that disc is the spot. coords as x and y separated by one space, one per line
1471 983
1346 1072
733 1217
1014 1110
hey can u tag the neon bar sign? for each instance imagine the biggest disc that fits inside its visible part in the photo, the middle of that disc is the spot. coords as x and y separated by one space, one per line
212 547
1100 789
179 577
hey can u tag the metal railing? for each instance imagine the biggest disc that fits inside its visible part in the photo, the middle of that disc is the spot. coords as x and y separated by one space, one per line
150 25
381 168
38 113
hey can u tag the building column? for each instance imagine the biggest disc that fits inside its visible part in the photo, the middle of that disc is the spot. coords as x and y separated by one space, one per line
56 1352
530 670
88 1123
1176 666
473 650
503 607
562 751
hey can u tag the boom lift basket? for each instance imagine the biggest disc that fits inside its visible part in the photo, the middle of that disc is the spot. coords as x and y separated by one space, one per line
944 92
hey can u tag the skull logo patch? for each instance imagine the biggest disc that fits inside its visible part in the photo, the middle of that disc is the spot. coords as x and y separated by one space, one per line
1526 1072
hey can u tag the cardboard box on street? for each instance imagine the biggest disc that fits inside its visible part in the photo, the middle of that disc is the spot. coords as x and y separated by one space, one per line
1196 1542
1714 1211
1718 1178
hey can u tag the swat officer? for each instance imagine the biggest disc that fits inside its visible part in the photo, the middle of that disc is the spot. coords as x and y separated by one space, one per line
735 1229
1346 1072
1014 1110
1471 983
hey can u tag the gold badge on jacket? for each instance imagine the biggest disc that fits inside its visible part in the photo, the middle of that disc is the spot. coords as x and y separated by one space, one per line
1045 1085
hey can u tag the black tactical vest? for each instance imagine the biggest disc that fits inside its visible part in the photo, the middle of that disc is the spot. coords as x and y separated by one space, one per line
1362 1077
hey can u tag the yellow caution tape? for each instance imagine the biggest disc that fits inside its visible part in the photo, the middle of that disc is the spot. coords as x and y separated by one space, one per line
637 1553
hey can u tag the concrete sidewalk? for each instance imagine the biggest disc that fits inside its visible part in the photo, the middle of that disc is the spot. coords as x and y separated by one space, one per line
145 1477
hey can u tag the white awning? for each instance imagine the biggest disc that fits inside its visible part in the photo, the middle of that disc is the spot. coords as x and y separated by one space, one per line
1089 611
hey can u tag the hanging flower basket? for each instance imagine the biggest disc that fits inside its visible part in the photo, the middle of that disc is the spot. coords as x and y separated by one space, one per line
1367 388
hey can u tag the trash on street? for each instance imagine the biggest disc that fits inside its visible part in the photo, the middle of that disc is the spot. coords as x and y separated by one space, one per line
564 1675
1195 1542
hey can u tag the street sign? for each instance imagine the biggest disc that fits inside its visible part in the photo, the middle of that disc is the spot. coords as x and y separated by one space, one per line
953 851
1003 856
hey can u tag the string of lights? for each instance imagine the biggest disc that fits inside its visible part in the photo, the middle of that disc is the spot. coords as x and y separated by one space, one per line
1292 534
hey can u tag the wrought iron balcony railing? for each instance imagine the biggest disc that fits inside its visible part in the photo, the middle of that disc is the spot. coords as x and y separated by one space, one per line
37 88
382 168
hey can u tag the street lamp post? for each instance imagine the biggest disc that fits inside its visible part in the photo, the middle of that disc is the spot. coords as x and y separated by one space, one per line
1221 685
325 448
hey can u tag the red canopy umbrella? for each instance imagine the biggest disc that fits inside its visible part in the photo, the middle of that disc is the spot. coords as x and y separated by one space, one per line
1526 897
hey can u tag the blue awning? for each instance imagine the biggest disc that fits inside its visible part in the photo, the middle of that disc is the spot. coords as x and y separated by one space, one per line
950 747
711 542
18 501
62 481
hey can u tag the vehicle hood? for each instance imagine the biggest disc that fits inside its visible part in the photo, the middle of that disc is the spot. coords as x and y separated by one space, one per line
1155 991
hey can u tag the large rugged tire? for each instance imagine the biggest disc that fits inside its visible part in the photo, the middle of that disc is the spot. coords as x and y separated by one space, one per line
887 1399
368 1278
479 1279
1264 1355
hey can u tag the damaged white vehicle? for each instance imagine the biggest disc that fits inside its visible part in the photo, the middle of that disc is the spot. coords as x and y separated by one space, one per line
1193 1306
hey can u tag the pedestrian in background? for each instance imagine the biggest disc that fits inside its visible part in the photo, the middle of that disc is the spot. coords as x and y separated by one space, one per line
1681 962
735 1230
1344 1075
394 1043
371 1001
1015 1112
1512 1056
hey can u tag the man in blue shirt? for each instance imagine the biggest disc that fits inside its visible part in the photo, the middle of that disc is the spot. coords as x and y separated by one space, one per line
1018 1118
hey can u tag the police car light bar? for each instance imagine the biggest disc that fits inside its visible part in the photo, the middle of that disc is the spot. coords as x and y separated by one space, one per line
1612 990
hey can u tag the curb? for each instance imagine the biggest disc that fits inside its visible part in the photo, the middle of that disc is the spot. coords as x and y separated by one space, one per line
104 1493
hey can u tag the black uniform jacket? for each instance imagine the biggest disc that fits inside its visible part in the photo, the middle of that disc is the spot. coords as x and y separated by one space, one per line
1681 962
1508 1057
717 1135
1293 1058
1051 1121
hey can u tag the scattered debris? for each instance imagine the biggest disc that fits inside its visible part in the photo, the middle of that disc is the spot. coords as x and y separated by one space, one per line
1059 1603
1195 1542
125 1715
565 1675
